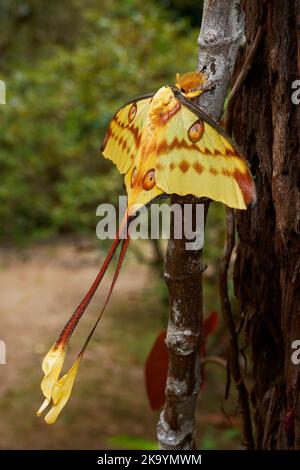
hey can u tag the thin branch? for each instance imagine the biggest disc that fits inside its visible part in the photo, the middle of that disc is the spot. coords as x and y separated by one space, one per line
214 360
233 349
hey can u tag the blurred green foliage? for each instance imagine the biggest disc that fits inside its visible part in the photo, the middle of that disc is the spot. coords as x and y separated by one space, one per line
190 9
131 442
223 439
67 68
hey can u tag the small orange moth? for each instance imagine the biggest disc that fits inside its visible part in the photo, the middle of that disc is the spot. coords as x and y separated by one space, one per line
163 144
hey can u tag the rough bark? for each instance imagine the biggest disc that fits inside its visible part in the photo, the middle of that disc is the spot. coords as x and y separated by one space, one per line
266 275
219 40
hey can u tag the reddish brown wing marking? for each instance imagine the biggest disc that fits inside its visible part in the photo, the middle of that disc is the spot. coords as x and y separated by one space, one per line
196 131
245 182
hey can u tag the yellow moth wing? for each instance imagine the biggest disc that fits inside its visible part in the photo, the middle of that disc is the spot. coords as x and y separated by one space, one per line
193 157
123 136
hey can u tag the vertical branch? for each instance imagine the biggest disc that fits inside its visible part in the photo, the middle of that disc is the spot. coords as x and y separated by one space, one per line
221 35
183 271
233 348
219 40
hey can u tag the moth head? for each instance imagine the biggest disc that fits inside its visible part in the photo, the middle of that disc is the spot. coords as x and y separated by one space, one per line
191 84
141 187
162 100
164 106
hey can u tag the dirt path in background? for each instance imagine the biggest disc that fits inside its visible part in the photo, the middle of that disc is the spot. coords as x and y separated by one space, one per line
39 290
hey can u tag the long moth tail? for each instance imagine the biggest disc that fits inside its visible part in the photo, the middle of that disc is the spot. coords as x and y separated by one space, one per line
62 388
113 283
68 329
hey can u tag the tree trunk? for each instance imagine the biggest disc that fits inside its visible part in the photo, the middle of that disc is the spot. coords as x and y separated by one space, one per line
266 273
219 40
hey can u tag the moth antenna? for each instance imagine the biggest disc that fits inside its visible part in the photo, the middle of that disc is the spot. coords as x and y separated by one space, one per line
177 80
67 331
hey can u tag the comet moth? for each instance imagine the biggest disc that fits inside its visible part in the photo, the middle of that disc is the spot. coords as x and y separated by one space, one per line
163 144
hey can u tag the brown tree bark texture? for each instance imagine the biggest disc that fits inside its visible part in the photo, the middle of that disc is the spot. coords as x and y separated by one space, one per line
266 274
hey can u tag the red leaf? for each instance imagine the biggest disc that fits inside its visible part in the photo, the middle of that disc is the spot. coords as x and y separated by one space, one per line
156 371
156 368
210 324
289 422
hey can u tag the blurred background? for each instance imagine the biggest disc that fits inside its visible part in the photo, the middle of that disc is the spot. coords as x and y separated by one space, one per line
67 67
